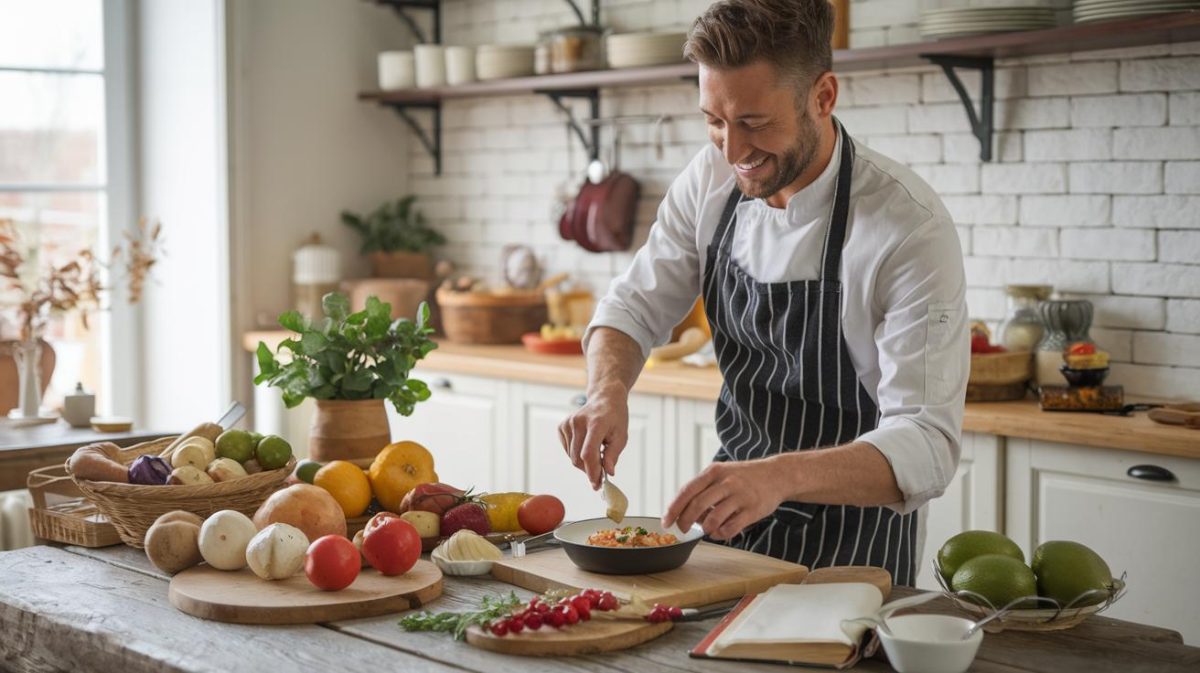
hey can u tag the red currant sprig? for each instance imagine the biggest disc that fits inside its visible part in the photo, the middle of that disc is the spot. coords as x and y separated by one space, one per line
664 613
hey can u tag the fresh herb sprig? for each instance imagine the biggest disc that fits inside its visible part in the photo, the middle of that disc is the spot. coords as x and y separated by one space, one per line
456 623
350 356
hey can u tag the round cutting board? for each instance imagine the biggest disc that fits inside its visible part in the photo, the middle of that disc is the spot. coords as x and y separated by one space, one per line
241 597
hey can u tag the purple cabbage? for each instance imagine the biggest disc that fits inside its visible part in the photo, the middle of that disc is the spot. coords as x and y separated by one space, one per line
149 471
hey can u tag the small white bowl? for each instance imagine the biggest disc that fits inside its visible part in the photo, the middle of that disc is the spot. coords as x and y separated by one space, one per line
929 643
459 568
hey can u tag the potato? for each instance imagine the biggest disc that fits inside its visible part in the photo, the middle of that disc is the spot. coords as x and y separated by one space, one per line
224 538
277 552
204 444
225 469
310 508
180 515
426 523
252 467
190 454
173 545
358 540
188 476
96 462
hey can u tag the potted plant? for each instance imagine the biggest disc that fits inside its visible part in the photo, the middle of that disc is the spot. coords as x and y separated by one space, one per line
349 363
41 289
397 239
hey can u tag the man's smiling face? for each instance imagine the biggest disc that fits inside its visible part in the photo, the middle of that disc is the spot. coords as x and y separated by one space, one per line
762 125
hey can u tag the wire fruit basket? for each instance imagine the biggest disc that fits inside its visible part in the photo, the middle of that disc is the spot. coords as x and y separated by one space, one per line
1050 615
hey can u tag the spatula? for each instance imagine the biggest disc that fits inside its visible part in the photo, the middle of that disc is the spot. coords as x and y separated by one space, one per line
615 499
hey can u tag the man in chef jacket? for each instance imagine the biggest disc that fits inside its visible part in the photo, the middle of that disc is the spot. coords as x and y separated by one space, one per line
833 281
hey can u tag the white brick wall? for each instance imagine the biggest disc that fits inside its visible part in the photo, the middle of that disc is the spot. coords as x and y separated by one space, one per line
1095 187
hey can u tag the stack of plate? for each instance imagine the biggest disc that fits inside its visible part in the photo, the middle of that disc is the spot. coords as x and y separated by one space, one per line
959 21
633 50
500 61
1087 11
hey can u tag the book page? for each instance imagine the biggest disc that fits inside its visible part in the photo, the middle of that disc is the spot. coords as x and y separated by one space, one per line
802 613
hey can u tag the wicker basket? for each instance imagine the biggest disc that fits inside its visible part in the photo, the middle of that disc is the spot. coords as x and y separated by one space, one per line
60 512
133 508
1000 369
491 318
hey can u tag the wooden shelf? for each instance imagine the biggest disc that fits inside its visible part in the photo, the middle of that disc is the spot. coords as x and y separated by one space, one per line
1164 28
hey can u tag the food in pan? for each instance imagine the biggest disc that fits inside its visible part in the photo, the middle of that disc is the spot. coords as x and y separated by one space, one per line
630 536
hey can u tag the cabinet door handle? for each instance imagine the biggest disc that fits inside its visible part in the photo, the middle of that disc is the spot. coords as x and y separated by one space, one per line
1150 473
443 384
579 400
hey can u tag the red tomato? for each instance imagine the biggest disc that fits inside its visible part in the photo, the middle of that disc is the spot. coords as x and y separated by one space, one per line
378 519
540 514
1082 348
332 563
391 544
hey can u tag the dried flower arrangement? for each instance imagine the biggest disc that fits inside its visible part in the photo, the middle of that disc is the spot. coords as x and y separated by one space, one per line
76 284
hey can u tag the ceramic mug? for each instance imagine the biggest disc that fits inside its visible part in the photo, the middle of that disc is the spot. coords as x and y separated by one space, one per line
78 408
460 65
396 70
431 65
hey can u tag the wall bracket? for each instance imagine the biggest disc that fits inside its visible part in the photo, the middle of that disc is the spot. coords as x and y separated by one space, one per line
981 124
590 140
434 6
432 142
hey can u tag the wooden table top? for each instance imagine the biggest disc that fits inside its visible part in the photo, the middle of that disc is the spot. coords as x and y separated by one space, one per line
103 610
30 448
1010 419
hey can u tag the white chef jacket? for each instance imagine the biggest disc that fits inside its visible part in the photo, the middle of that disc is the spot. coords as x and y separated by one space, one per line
904 313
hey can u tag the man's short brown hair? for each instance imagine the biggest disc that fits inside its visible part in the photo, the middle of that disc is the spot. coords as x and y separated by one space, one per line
792 35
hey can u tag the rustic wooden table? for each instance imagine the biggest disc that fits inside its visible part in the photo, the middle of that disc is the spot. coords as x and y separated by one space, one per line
75 609
25 449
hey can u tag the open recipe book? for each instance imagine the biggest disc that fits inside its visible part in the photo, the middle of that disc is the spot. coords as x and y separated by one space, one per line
796 624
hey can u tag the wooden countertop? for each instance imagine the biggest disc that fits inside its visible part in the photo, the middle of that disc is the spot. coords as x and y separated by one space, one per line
1010 419
107 609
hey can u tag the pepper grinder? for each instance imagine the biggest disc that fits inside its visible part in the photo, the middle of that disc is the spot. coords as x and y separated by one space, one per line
79 407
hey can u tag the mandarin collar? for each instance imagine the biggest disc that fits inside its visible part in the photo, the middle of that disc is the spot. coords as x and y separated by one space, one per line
814 201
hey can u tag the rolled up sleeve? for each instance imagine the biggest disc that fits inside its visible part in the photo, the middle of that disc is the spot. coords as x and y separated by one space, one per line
924 360
662 283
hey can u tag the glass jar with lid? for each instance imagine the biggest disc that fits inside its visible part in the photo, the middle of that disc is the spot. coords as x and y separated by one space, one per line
1022 329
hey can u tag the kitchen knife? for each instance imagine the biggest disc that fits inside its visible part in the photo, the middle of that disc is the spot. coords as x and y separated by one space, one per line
211 431
708 611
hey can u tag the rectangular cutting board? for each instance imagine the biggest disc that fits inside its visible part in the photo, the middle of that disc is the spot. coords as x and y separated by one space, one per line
714 573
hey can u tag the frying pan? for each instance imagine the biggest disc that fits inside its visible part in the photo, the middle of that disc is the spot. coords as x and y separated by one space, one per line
625 560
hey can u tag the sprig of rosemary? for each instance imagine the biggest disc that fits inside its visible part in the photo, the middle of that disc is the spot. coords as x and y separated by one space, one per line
456 623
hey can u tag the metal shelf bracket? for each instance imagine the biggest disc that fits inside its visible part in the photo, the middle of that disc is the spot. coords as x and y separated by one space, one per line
981 124
432 142
435 6
591 140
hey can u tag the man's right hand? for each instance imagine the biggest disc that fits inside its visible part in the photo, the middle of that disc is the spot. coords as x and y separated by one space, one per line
595 435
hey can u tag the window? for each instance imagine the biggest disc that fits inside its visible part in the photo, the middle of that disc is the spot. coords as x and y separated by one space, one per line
55 181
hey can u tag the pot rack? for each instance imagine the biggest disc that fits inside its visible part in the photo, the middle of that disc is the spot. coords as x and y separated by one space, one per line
977 53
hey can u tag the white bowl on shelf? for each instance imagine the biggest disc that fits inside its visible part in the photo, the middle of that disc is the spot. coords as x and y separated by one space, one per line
502 61
632 50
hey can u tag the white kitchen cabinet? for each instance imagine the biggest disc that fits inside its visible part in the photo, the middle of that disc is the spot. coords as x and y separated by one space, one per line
464 424
972 501
697 440
1149 529
539 411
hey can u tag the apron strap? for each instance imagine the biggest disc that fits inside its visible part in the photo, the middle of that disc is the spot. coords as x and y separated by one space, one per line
835 235
724 233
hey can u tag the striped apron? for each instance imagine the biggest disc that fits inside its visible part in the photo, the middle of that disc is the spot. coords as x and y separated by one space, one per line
789 385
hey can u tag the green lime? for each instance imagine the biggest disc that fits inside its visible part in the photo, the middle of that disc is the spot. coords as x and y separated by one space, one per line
235 444
306 470
969 544
273 452
999 578
256 436
1067 570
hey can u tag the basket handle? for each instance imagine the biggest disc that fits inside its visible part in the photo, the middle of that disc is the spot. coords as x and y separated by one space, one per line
39 480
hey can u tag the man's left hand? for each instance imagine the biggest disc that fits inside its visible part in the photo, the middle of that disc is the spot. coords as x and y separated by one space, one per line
727 497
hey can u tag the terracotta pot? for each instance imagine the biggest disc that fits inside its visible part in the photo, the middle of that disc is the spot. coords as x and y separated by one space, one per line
402 265
348 430
404 294
9 379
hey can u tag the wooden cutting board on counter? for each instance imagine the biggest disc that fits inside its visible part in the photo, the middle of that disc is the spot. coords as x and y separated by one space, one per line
241 597
712 574
599 635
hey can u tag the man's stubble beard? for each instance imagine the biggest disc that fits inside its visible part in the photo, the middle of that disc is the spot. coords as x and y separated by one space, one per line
789 165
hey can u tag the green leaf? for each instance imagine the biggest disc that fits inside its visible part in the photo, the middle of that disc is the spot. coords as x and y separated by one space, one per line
313 343
292 320
266 360
358 380
336 306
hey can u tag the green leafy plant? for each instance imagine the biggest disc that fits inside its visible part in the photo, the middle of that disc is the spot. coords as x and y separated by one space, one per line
349 356
394 226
